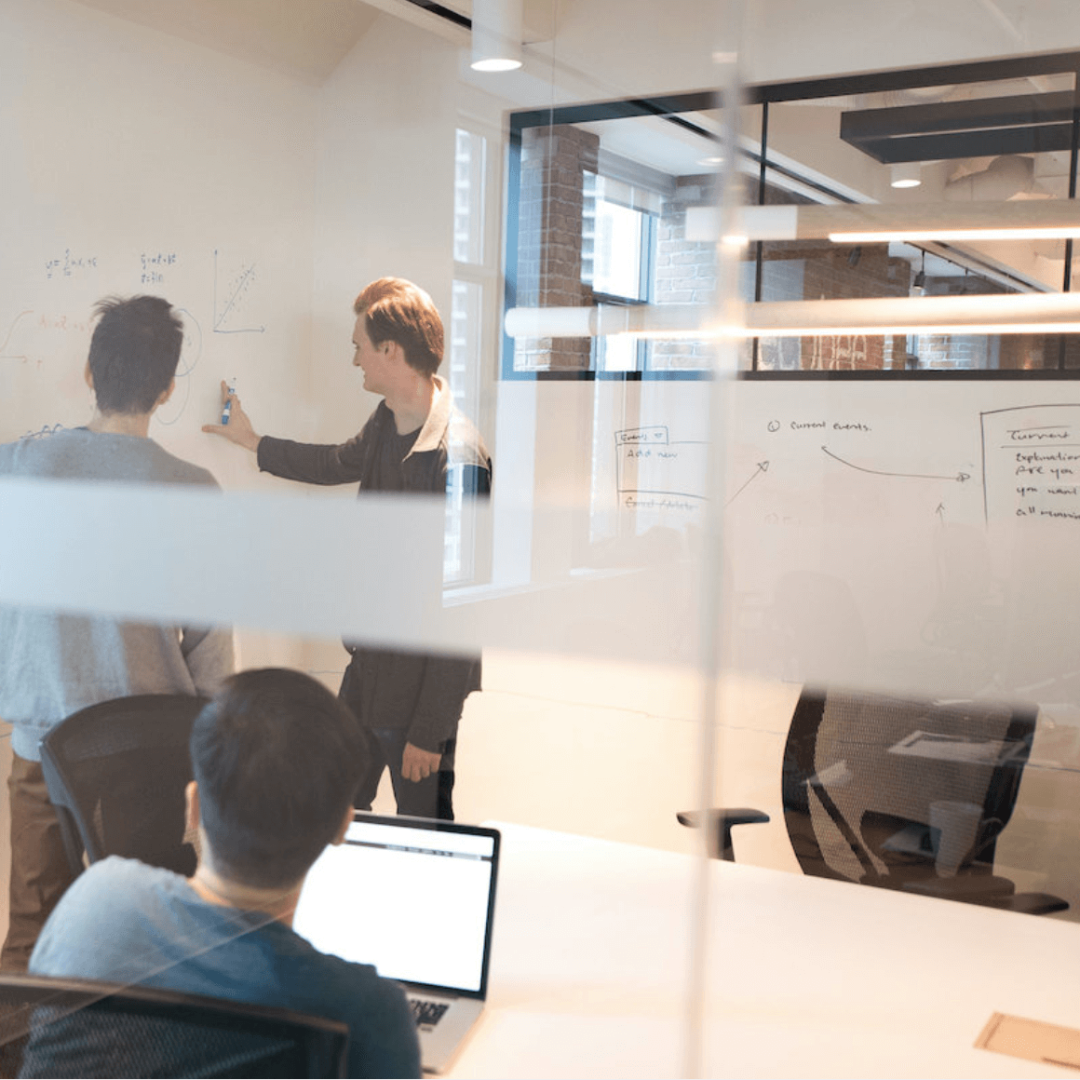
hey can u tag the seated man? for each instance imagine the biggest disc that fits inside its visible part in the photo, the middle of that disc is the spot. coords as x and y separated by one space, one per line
275 757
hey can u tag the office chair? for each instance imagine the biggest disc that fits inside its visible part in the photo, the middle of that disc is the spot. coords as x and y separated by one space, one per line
900 794
116 773
75 1027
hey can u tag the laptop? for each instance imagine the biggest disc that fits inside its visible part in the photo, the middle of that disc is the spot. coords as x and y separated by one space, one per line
416 898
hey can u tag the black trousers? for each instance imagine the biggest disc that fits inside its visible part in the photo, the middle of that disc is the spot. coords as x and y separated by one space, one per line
431 797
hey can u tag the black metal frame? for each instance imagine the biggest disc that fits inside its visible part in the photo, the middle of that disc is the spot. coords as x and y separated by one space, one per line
1063 131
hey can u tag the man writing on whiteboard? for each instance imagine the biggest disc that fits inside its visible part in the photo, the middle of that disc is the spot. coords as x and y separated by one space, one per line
415 441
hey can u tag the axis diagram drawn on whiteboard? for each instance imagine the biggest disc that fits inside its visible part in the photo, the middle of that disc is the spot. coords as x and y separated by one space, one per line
231 294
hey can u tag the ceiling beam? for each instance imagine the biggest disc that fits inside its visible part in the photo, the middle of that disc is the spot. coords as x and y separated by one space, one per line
981 127
424 18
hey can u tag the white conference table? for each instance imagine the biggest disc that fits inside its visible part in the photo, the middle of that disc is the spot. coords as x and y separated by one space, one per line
810 977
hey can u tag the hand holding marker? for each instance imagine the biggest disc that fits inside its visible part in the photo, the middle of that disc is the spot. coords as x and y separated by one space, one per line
226 410
235 424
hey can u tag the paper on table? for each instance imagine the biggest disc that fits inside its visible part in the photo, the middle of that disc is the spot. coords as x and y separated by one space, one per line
1032 1040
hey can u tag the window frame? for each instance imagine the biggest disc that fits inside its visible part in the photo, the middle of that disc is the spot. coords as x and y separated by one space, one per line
672 106
474 558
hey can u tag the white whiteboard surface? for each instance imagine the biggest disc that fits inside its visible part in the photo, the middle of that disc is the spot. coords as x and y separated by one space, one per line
905 534
138 163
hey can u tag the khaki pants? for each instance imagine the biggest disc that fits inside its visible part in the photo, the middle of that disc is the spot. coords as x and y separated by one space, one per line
40 872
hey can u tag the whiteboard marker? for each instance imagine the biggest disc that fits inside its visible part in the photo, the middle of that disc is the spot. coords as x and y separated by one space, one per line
227 407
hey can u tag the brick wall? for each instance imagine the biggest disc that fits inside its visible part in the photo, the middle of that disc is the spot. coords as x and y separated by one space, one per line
685 271
553 161
974 352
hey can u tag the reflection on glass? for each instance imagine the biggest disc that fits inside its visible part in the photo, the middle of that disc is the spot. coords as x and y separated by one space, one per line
469 196
959 146
615 260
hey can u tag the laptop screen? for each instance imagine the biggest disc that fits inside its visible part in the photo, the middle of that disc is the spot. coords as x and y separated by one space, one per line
412 899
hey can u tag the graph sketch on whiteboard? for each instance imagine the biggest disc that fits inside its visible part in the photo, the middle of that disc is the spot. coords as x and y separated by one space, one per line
6 349
231 293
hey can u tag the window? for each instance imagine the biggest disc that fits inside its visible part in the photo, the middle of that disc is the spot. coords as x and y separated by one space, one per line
618 239
470 345
995 135
618 256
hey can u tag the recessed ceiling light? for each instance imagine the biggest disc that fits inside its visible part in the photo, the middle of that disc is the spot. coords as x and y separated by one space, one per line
906 174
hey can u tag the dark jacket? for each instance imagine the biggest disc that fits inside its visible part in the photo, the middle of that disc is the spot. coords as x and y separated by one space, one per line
386 688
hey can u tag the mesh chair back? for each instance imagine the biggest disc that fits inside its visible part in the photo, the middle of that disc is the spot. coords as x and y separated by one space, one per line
61 1028
861 772
119 769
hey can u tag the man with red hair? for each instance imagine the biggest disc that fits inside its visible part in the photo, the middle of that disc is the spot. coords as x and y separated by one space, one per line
415 441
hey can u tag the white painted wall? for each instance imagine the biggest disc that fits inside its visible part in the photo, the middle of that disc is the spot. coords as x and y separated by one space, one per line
383 196
121 143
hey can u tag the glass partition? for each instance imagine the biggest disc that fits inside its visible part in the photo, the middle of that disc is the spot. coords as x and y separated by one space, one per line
737 555
989 153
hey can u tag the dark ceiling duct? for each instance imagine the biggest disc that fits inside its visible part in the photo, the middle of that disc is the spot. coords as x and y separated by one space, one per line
981 127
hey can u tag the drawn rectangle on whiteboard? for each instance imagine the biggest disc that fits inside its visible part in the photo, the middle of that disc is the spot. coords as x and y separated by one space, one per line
651 436
1031 463
655 472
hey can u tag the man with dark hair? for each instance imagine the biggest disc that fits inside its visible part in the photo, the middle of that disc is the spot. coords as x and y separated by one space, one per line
275 758
134 353
52 664
416 441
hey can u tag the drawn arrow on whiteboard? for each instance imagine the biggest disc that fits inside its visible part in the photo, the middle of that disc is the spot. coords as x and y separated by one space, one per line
762 467
958 478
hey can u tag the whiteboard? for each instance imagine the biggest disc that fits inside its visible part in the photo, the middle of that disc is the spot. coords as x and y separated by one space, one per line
136 164
896 534
219 295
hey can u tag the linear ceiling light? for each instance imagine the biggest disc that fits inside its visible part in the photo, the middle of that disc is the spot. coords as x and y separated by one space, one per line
908 235
869 223
496 34
1018 313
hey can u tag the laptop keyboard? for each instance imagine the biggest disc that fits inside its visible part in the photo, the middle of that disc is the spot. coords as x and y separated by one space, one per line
427 1013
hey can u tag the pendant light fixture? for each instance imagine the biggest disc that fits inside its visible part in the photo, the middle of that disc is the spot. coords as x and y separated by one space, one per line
496 34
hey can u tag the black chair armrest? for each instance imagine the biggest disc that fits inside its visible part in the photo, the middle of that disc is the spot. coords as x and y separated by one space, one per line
1034 903
987 891
720 822
967 888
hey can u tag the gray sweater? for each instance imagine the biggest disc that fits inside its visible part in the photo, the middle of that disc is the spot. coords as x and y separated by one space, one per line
53 663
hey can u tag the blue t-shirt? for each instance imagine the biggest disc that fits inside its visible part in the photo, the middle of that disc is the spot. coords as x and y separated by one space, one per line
122 921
